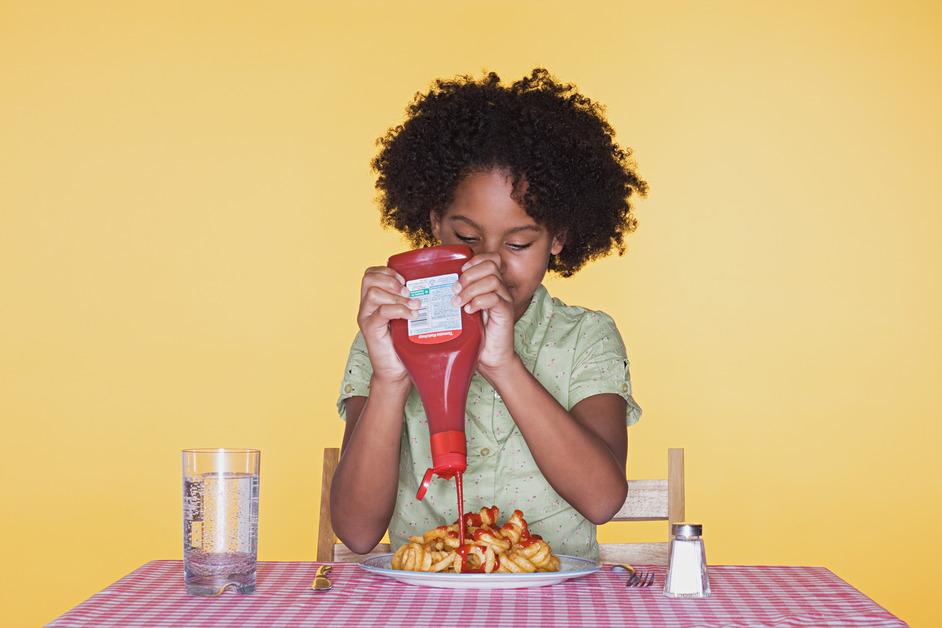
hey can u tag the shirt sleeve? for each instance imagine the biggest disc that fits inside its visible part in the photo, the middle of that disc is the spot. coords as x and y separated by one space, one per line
601 365
356 375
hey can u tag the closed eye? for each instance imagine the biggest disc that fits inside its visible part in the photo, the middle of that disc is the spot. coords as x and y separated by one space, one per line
510 245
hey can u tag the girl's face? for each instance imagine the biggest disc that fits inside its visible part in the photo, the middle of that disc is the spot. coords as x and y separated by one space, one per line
485 217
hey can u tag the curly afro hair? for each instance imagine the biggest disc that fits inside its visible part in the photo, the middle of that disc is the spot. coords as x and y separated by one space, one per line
578 180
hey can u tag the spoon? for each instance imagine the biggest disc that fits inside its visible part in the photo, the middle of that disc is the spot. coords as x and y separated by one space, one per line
321 583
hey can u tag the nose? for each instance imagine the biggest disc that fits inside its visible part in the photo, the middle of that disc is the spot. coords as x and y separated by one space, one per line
495 247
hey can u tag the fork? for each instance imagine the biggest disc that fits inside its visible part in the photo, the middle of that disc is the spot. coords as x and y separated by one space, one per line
640 579
636 578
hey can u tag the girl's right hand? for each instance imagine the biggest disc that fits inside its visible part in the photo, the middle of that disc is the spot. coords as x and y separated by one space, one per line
384 297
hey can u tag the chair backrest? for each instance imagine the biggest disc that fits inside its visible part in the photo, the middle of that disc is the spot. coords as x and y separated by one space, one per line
328 549
648 500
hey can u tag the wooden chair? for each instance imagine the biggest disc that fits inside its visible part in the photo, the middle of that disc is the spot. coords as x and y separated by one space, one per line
648 500
328 549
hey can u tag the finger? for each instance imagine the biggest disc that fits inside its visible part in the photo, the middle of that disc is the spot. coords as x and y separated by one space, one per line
477 267
489 284
485 302
376 297
386 282
391 311
486 268
385 270
382 276
483 257
379 320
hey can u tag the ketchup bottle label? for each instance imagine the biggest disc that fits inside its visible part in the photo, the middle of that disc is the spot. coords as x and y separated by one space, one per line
438 320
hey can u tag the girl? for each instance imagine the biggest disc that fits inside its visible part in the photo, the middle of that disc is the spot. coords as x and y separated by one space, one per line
528 176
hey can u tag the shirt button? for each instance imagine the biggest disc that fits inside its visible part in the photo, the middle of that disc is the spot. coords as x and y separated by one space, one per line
348 388
624 387
496 395
485 451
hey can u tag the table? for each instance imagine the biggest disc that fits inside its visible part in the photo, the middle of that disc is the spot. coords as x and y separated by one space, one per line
153 596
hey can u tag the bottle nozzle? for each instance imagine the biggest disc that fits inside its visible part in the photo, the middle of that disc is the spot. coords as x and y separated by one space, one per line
446 472
423 487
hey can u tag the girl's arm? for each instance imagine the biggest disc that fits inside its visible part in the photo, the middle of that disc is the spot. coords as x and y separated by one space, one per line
582 453
363 492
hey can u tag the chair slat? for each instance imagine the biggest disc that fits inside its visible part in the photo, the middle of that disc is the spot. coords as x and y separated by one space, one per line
325 535
646 501
634 553
342 553
675 481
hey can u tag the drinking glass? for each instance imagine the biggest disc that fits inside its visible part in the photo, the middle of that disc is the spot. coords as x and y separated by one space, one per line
220 520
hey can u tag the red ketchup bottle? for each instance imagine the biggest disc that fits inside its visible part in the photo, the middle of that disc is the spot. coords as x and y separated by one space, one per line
439 348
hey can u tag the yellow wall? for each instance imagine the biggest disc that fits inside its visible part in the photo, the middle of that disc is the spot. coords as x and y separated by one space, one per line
186 208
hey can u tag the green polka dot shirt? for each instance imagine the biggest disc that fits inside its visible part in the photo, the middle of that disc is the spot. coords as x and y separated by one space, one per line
575 353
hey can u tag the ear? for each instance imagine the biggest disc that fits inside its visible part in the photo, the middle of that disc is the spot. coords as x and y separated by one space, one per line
559 241
436 221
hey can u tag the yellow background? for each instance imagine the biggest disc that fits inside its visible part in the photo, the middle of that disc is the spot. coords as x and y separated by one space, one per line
186 208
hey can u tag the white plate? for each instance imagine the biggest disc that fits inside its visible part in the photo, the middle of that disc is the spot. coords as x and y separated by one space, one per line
569 567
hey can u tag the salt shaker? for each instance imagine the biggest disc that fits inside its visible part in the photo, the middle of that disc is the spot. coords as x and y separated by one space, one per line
687 571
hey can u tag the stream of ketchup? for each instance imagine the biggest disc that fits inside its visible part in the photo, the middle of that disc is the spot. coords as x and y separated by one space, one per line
463 548
460 509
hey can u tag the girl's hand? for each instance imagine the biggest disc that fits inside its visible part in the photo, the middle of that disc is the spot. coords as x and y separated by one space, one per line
481 287
383 297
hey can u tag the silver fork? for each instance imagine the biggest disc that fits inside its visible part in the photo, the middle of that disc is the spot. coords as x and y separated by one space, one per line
640 579
636 578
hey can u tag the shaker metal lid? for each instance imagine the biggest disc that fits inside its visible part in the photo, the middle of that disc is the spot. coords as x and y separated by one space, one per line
686 530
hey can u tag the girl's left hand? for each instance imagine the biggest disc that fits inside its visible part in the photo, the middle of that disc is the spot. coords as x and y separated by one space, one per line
482 288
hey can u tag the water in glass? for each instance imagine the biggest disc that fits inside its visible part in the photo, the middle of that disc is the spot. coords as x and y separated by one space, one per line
220 531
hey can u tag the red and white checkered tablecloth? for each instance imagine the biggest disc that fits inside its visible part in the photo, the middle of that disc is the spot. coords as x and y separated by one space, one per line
153 595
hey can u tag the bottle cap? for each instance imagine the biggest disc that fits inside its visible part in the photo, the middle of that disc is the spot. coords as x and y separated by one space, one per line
686 530
423 487
453 463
